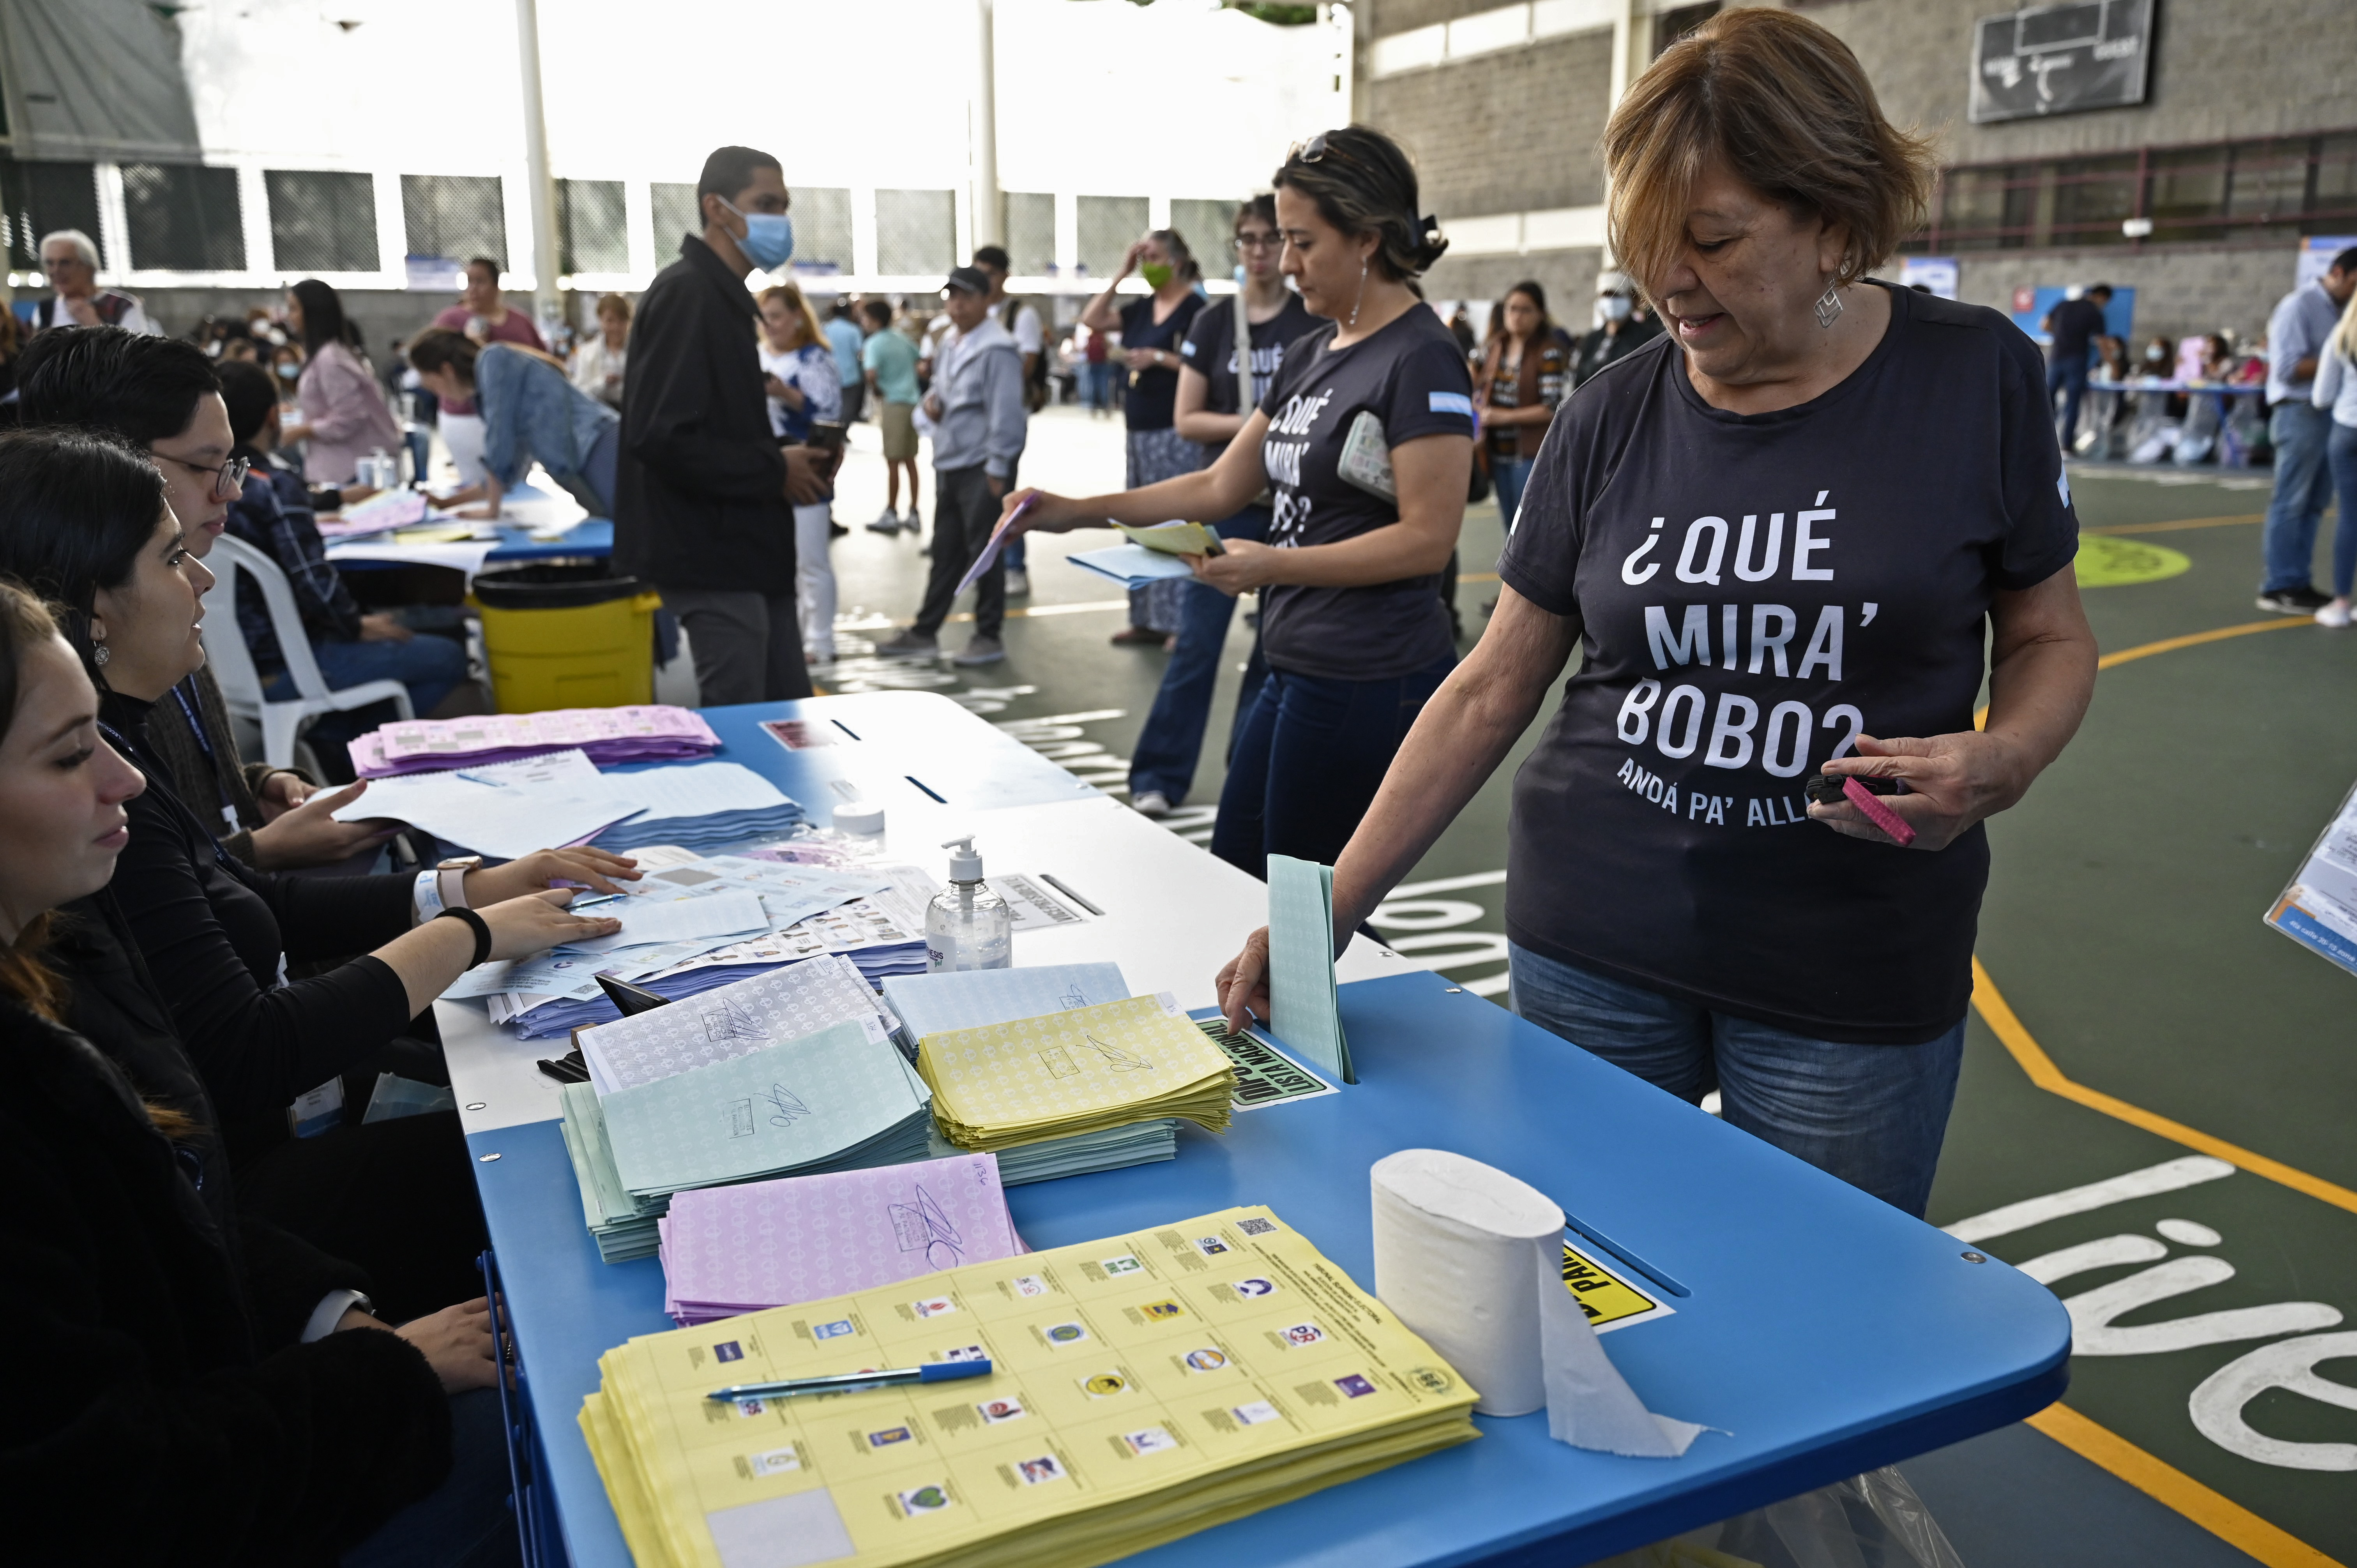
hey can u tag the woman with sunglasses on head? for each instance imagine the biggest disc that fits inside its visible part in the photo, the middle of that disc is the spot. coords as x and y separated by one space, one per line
1352 623
163 395
82 521
273 1417
1211 409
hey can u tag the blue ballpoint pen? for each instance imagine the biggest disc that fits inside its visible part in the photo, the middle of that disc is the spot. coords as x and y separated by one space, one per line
849 1382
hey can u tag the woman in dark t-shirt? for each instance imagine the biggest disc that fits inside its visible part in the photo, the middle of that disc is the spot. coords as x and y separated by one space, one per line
1153 328
1779 535
1352 622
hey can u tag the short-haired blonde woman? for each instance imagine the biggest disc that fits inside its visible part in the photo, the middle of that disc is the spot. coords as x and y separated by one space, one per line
1778 538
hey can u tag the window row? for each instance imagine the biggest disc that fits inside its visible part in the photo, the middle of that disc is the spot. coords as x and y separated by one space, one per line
191 218
2280 187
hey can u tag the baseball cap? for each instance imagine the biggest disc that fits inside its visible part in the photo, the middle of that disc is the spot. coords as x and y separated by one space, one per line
967 280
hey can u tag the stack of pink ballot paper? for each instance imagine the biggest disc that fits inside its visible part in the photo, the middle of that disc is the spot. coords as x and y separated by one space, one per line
654 733
727 1249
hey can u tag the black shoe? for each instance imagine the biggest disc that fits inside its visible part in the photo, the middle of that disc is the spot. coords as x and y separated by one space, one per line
2300 601
836 531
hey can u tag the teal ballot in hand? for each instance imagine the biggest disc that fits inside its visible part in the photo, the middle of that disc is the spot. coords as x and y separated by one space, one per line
1304 1014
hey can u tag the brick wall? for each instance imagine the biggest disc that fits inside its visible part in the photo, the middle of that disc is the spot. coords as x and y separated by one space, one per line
2221 70
1510 132
1568 277
2179 291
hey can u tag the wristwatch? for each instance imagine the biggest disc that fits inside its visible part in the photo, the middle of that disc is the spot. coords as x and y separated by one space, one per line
450 879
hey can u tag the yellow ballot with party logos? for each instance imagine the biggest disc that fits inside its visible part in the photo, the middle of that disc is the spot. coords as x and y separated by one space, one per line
1142 1387
1075 1071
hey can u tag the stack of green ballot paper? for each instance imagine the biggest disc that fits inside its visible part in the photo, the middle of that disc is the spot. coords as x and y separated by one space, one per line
1142 1387
840 1099
1088 1070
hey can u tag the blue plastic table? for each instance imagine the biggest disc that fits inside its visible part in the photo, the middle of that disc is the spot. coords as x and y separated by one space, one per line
1820 1331
592 536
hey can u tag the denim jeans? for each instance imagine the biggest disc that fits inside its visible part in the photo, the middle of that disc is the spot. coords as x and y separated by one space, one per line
1164 759
2070 377
430 666
1309 759
2300 431
2341 457
1509 475
1872 1115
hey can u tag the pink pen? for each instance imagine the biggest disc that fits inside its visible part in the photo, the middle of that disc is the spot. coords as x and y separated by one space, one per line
1881 815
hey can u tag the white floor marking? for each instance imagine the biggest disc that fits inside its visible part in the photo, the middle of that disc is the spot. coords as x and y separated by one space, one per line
2167 1176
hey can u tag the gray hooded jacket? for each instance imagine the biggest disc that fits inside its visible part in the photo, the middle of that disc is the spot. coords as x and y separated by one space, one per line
982 421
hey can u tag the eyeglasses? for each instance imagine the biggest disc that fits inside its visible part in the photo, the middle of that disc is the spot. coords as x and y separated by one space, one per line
229 479
1243 243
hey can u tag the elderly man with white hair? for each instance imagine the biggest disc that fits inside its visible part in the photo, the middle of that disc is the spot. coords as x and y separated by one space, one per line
70 260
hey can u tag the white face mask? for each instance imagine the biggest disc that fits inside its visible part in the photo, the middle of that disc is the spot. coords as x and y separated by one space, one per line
1617 306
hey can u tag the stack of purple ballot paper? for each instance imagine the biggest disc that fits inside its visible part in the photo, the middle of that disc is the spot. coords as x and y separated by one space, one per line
727 1249
656 732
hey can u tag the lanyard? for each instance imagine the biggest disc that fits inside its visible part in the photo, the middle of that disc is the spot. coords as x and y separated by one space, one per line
155 782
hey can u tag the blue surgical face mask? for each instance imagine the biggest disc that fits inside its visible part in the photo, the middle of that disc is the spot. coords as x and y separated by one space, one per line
1618 308
769 241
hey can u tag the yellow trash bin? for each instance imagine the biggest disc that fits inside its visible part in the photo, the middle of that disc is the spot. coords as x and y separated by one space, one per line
566 634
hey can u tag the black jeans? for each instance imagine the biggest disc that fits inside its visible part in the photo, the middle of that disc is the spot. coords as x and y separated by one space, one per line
964 511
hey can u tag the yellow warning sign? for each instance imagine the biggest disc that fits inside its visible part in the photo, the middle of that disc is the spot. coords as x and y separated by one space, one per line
1608 1298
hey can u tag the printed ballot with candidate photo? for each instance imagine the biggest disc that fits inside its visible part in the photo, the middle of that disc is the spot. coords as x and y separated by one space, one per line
1142 1387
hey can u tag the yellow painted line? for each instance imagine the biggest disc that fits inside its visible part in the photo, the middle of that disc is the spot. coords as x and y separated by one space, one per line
2181 524
2196 638
2220 1515
2033 1060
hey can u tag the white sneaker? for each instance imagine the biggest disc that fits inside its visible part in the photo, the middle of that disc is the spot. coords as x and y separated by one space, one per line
888 522
2335 614
1018 581
1152 803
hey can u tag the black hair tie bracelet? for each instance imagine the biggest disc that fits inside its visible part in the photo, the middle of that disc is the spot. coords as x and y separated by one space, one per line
482 932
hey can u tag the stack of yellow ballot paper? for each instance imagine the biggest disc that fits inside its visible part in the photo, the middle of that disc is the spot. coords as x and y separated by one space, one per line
1142 1387
1006 1084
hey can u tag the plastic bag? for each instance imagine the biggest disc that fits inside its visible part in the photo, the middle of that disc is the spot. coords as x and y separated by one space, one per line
1874 1520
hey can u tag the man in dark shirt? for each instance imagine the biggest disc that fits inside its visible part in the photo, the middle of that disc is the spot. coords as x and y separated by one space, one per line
2073 324
1627 328
702 492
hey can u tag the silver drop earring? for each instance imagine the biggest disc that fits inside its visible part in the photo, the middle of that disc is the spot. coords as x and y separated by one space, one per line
1829 306
1362 298
99 655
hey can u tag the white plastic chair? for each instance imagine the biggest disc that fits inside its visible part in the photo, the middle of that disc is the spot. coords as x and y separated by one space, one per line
232 662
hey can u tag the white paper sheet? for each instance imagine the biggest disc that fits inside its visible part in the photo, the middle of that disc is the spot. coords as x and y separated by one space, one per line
699 790
487 816
714 914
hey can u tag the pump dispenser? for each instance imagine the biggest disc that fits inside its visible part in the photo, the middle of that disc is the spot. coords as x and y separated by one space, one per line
967 926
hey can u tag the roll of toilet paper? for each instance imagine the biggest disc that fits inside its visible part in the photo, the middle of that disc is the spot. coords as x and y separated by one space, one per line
1454 1243
1470 1259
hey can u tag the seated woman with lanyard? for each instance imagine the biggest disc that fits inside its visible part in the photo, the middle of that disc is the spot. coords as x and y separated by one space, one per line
162 396
1809 521
1352 623
82 521
530 413
277 1418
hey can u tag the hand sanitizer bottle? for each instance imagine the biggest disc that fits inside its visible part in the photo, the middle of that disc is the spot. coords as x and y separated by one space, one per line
967 926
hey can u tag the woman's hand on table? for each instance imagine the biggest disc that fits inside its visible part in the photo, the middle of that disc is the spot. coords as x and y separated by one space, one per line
1243 982
539 921
1242 566
456 1342
599 869
1953 782
309 834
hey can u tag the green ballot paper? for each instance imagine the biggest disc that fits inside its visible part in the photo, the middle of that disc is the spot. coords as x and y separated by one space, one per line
1175 538
1303 1012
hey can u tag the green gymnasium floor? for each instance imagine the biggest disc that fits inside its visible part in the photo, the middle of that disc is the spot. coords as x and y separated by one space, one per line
2134 1014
